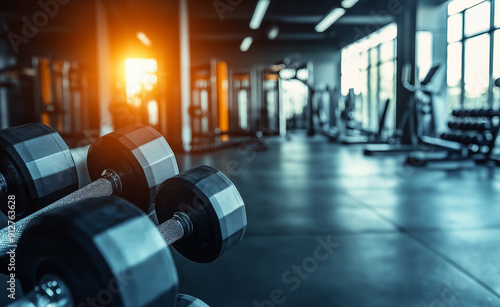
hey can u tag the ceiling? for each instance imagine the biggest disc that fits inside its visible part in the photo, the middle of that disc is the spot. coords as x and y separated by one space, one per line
296 19
228 20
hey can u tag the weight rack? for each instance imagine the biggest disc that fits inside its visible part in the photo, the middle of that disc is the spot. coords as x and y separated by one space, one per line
472 137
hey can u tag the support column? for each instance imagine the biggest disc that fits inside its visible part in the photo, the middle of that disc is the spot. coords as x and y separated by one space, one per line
407 28
185 73
104 75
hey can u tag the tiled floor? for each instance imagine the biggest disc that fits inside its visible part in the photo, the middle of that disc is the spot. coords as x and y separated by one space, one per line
330 227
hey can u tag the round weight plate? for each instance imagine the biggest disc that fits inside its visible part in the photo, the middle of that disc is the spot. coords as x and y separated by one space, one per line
37 165
215 207
104 249
142 158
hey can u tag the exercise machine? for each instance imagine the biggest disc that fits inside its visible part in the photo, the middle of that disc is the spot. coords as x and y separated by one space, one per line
420 118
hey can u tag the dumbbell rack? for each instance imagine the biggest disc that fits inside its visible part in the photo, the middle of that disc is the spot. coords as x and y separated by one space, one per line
201 231
477 129
472 137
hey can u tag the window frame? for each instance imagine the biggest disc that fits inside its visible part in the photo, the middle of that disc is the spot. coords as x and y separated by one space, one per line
369 114
491 31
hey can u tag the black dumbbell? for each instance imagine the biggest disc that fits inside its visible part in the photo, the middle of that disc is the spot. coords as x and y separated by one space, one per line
474 140
474 112
451 137
460 138
483 126
200 213
99 251
36 166
493 113
482 139
469 139
467 112
454 137
453 125
482 112
131 162
478 126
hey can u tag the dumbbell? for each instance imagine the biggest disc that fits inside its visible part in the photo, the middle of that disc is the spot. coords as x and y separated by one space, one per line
482 112
480 139
473 112
131 162
489 112
493 113
96 252
464 112
200 213
450 137
469 126
36 166
464 139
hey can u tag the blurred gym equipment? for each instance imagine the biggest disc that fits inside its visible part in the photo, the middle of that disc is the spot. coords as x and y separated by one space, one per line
472 137
214 121
420 119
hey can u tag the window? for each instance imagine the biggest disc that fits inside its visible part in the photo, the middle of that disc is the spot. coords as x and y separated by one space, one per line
424 53
497 13
455 28
454 75
477 19
476 72
368 67
473 27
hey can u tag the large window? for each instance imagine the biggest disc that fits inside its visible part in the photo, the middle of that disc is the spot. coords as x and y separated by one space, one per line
368 67
473 40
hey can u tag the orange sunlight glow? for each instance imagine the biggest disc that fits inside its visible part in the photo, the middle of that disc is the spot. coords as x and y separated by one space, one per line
140 77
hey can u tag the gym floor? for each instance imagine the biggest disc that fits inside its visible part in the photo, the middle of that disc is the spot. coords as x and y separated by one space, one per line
330 227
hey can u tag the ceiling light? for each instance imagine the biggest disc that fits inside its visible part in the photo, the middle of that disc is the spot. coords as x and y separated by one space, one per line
258 15
347 4
273 32
246 43
332 17
143 38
